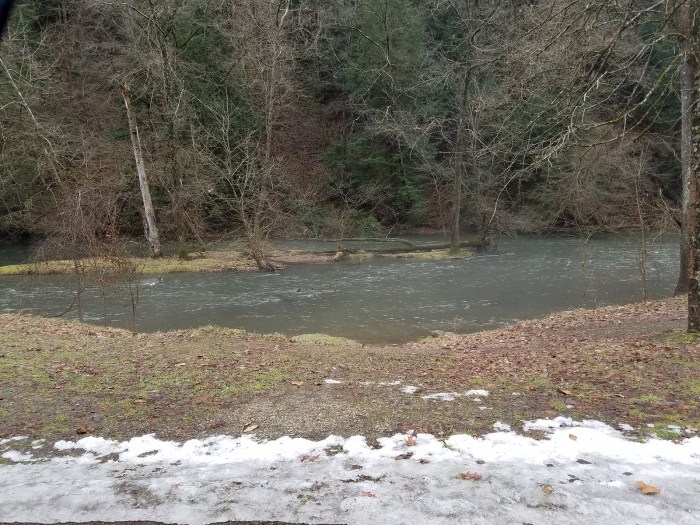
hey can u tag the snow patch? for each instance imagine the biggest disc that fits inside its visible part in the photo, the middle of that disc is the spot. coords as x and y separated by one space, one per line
332 382
415 480
476 393
10 440
442 396
451 396
408 389
16 457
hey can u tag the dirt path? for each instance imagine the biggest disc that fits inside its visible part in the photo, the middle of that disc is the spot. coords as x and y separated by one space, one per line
630 364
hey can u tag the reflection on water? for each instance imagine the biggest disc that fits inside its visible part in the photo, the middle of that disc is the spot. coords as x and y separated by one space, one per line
379 300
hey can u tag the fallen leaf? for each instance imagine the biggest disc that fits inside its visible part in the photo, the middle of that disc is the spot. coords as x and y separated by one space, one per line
618 395
474 476
368 494
297 383
647 489
547 489
565 392
410 441
249 427
83 430
309 458
573 437
180 364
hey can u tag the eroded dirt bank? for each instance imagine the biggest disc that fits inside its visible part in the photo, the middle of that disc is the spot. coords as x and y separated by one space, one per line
631 364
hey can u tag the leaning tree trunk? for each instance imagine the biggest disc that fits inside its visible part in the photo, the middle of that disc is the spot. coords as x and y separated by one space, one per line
150 227
684 26
694 198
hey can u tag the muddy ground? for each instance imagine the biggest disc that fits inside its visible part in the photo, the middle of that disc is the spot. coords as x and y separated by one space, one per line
631 364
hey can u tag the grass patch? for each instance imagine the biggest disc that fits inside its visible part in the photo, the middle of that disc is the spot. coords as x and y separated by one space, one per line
325 339
684 363
665 433
681 336
648 398
559 406
692 386
216 330
257 382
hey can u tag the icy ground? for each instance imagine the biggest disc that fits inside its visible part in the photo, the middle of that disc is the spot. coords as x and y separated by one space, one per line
584 472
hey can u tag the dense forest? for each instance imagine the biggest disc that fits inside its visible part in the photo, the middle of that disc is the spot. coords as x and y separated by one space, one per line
309 118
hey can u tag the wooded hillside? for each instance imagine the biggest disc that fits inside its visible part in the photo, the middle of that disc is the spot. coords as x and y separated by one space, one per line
307 118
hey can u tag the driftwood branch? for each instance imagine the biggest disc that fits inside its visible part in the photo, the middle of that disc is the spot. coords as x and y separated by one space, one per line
411 248
363 239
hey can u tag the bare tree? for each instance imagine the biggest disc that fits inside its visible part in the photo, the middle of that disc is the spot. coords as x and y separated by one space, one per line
685 25
150 227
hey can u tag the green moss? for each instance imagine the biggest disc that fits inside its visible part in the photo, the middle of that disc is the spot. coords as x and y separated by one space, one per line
637 413
692 386
257 382
681 336
17 269
558 406
648 398
686 364
539 381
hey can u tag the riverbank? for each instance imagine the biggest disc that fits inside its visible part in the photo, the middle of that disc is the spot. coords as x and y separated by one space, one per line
630 365
214 261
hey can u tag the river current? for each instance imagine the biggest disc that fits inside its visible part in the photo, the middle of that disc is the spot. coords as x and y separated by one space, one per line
379 300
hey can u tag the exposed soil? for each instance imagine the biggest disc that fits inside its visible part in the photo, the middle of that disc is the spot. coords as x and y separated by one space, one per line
62 380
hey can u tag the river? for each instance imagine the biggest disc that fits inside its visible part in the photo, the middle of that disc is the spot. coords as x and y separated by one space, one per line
380 300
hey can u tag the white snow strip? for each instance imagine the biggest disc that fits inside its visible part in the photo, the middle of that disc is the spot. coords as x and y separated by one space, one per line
626 427
451 396
476 393
502 427
10 440
17 457
332 382
349 481
443 396
408 389
389 383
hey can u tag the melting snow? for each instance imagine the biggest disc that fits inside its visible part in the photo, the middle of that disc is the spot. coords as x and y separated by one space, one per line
408 389
225 478
451 396
17 457
332 382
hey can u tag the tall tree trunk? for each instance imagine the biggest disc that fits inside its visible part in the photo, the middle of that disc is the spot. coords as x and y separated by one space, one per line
684 25
457 194
150 227
460 157
694 175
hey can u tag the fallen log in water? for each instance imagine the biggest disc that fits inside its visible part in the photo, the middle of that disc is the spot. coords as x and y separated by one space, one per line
410 247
